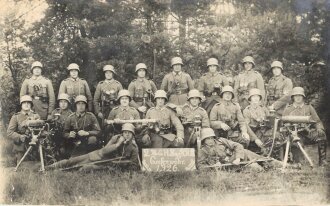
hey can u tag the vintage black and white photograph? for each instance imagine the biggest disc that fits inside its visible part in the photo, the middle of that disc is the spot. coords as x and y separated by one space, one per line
164 102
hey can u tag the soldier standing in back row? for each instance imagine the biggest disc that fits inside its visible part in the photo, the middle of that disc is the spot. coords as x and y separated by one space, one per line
278 86
41 90
211 83
246 80
142 90
106 93
177 83
74 86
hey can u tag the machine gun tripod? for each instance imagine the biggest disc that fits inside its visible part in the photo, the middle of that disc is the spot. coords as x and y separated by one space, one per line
196 123
36 127
293 125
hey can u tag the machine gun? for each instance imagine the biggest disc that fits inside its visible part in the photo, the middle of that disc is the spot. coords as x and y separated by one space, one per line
35 129
196 123
292 125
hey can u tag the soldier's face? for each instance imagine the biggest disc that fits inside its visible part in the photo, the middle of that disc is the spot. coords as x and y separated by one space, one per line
63 104
81 107
127 135
277 71
26 106
124 101
74 73
194 101
36 71
141 73
209 141
227 96
177 67
248 65
213 68
255 99
160 101
108 75
298 99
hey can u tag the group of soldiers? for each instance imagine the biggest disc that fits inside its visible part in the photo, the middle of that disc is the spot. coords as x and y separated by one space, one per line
233 115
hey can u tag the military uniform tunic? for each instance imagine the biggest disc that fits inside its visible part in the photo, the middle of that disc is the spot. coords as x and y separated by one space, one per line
42 92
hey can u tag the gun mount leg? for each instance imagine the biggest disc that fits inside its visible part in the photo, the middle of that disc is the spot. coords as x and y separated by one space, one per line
24 156
286 155
42 169
305 154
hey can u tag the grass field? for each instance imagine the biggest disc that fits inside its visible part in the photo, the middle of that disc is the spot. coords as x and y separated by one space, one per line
296 187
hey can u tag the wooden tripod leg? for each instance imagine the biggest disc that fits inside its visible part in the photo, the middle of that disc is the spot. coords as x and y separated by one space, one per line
24 156
305 154
41 159
286 155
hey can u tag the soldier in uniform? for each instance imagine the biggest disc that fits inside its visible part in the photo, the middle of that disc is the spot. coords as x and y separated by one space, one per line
59 116
210 84
41 90
246 80
257 117
74 86
142 89
316 134
227 119
177 83
190 112
163 136
106 93
220 150
17 128
121 145
81 128
278 86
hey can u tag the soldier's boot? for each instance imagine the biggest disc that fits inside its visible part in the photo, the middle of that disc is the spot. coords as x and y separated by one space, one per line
322 149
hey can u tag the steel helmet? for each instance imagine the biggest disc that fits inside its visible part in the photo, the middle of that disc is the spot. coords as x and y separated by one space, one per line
63 96
109 68
140 66
227 89
128 127
194 93
207 132
123 93
276 64
73 66
212 61
248 59
254 91
25 98
80 98
298 91
176 60
161 94
36 64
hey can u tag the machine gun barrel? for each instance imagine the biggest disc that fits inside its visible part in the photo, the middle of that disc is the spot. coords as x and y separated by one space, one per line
297 119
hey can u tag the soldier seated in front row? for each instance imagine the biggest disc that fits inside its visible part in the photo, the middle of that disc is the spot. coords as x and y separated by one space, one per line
220 150
191 114
257 119
17 128
313 135
226 117
161 135
81 128
121 145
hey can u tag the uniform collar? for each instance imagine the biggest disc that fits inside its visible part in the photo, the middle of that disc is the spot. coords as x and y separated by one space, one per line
248 71
80 115
74 79
36 77
160 108
179 73
278 77
193 108
141 79
109 80
26 113
213 74
298 106
124 108
255 106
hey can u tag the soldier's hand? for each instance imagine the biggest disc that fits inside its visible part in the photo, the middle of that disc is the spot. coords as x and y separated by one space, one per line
236 161
203 98
100 115
72 134
178 142
83 133
49 117
179 111
120 141
246 136
224 126
22 138
142 109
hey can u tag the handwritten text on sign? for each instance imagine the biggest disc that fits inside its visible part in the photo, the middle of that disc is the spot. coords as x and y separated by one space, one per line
168 159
